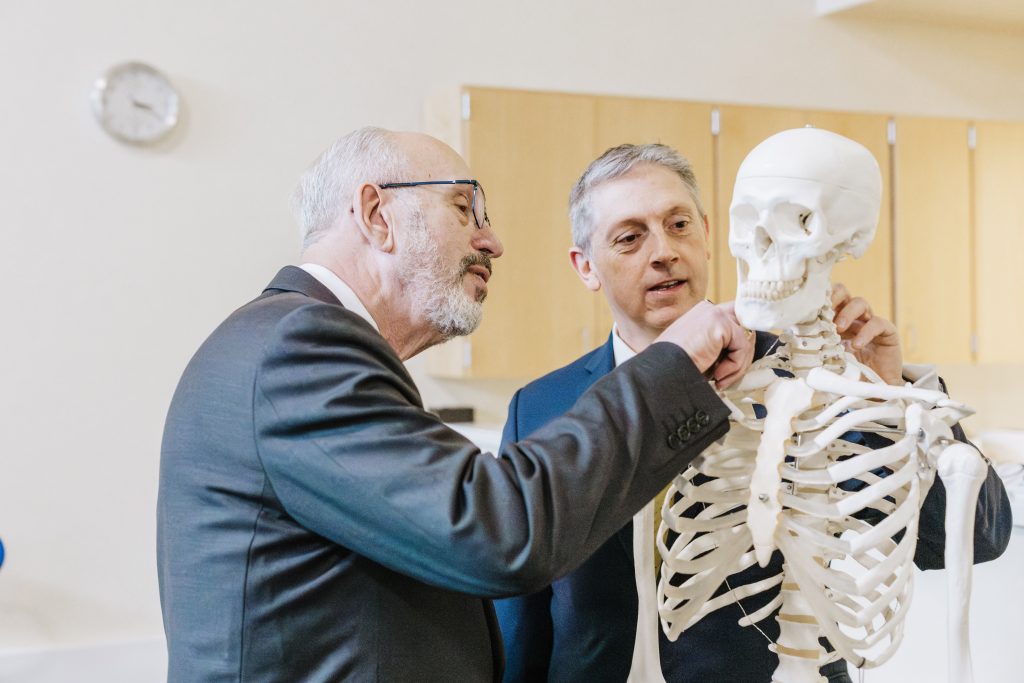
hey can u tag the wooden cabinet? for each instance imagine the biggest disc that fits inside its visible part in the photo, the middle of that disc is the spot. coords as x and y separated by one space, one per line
998 190
933 240
949 231
742 128
528 149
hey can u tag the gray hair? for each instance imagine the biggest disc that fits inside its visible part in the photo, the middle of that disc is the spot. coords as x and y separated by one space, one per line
324 190
615 163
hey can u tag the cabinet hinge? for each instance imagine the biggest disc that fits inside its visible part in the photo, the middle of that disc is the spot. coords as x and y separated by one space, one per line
972 137
974 343
465 106
716 121
890 131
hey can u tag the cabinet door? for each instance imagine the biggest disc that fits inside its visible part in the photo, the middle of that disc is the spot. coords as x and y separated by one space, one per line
742 128
527 149
684 126
933 240
999 240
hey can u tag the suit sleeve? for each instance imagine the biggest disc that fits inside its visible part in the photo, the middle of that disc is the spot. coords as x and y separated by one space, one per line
351 455
525 620
993 520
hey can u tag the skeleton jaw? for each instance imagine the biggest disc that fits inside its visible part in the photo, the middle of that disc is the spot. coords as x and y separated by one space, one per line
779 304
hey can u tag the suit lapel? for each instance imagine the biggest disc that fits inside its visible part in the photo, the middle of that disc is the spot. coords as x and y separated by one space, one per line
603 360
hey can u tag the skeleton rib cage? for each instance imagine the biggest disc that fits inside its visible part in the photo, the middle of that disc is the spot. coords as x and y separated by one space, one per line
844 577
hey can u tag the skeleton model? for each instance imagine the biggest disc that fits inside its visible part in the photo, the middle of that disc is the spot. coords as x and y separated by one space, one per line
802 199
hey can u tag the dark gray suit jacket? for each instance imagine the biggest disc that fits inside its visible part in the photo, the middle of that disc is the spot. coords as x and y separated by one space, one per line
316 524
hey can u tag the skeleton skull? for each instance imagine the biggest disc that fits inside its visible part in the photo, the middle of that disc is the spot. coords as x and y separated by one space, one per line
803 198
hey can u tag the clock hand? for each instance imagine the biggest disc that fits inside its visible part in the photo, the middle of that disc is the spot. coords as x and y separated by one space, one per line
138 104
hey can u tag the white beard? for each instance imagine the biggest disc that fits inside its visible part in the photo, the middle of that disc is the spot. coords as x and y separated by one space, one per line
438 289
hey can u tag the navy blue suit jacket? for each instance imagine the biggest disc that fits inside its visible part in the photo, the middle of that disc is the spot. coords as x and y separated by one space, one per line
583 626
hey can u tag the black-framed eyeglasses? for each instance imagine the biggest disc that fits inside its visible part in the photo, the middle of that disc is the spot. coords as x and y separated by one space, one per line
479 215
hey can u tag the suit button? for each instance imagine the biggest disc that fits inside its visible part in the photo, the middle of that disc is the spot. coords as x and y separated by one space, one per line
673 442
702 418
683 433
693 424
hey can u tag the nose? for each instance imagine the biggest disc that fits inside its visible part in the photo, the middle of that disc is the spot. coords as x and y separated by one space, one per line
663 251
486 241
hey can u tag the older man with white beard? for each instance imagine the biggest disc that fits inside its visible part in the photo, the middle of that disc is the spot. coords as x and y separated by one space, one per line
315 523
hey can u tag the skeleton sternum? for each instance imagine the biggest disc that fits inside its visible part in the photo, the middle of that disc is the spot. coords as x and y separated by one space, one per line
784 400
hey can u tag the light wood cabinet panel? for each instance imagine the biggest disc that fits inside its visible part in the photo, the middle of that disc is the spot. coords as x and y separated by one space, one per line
999 240
742 128
933 240
527 149
684 126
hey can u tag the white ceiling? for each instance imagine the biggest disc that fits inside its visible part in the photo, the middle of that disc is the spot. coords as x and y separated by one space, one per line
991 14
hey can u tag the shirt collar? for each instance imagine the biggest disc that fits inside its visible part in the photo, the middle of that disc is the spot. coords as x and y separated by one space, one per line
620 348
342 291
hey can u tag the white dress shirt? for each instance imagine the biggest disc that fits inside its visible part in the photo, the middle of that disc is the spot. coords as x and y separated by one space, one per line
339 289
646 664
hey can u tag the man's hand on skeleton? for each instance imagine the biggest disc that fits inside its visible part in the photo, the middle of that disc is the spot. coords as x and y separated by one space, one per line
872 339
714 340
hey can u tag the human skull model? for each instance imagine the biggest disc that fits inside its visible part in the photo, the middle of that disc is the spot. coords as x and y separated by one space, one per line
795 212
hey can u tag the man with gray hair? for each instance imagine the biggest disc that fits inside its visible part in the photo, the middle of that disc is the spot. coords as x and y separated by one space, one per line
315 523
641 236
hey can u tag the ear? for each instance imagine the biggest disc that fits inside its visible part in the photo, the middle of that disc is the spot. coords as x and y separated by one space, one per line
373 224
584 267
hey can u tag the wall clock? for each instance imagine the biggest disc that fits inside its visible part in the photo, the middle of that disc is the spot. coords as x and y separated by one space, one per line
135 103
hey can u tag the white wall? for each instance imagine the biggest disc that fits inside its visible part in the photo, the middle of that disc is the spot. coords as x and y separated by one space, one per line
119 261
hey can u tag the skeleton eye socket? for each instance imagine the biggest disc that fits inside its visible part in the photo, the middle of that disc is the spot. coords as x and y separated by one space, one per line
792 220
744 219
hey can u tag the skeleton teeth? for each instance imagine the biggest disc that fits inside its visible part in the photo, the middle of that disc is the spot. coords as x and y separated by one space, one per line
770 290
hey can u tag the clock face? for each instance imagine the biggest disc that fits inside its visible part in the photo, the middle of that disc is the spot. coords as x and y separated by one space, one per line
135 103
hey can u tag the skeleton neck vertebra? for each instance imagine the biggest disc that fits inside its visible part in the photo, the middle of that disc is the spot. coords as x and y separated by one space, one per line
814 343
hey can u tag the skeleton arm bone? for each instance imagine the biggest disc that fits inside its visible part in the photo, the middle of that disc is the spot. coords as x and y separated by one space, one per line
962 471
992 520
